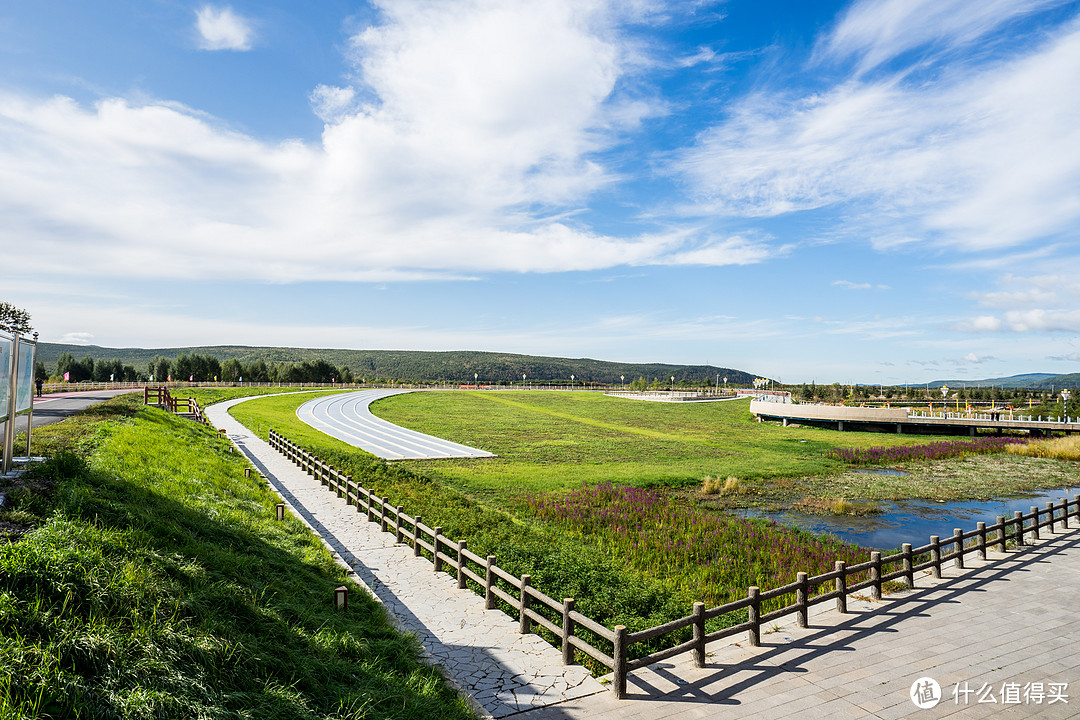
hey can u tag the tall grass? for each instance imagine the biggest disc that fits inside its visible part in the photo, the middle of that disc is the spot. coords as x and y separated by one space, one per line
1061 448
712 556
159 586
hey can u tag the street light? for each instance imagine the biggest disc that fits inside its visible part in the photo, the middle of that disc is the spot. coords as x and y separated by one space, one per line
522 381
672 383
718 383
571 382
1065 404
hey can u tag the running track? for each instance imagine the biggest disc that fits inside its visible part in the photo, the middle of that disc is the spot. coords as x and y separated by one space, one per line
348 418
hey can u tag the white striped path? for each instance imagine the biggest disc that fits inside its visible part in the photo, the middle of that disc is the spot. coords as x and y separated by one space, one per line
348 418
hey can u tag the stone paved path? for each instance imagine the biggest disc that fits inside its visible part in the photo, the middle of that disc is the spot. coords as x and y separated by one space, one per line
1008 624
479 650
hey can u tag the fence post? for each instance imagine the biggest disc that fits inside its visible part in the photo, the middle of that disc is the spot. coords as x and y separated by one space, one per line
909 572
397 524
1035 524
1050 512
567 631
982 540
1076 502
370 506
801 594
1064 514
754 636
524 621
841 586
385 520
875 575
1018 518
699 634
935 556
1001 533
618 654
461 545
958 548
416 535
435 543
489 582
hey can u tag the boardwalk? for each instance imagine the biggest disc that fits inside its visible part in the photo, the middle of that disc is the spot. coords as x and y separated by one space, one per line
1009 625
1006 631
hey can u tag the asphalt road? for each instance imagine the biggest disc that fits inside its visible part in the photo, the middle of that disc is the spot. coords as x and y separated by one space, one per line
347 417
57 406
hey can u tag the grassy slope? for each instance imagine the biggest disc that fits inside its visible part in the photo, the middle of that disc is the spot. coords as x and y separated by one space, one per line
158 585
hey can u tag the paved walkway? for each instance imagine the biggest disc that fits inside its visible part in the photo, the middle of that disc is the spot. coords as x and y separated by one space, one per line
996 632
347 417
1007 631
479 650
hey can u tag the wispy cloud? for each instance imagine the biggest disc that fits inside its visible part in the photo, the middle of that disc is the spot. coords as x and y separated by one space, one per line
980 156
874 32
220 28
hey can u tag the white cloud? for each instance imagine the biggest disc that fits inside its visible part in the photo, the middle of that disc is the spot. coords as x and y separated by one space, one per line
436 162
221 29
980 156
876 31
848 285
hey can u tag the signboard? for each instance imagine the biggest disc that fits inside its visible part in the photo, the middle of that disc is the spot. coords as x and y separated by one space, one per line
5 376
24 396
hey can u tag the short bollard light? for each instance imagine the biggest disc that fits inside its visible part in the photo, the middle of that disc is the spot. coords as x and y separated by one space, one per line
247 472
341 598
279 511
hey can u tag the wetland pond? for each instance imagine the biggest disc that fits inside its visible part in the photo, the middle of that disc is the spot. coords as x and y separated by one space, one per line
914 521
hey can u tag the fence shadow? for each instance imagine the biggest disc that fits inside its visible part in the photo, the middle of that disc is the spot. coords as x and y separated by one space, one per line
772 660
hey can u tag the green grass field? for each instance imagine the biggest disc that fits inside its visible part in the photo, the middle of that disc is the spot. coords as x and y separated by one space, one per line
153 582
558 440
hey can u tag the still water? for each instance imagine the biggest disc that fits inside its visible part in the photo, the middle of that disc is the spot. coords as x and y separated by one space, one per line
914 521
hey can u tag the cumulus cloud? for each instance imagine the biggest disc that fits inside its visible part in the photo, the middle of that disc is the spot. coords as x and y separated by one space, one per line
977 155
436 160
220 28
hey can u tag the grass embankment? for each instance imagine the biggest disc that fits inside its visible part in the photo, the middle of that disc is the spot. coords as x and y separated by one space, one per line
157 585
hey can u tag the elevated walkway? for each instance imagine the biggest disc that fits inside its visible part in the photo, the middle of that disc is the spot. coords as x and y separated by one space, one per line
905 420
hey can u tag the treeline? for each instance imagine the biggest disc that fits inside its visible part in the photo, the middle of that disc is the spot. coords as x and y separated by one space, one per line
192 367
812 392
419 366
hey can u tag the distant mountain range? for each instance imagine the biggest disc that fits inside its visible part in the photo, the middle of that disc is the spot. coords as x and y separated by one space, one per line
1031 381
417 365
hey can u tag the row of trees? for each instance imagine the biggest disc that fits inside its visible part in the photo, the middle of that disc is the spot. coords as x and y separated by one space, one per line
200 368
836 392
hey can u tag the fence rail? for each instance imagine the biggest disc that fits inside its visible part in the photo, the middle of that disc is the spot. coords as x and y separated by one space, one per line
562 620
161 397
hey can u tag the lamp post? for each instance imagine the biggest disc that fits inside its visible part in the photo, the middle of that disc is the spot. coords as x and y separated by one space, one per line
571 382
1065 404
622 381
718 383
673 384
522 381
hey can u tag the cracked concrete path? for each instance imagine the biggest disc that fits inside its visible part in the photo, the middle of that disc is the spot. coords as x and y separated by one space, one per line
480 651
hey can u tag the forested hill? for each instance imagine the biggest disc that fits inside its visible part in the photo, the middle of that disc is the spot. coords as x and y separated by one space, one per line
416 365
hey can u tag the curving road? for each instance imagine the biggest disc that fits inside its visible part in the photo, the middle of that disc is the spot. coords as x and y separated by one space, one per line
348 418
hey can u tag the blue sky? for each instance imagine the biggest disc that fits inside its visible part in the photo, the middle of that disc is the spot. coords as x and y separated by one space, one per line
858 192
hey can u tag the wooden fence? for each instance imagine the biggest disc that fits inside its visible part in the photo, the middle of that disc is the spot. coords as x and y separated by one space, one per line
161 397
563 621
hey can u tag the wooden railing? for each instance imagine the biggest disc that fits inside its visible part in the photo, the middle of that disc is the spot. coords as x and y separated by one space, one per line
563 621
161 397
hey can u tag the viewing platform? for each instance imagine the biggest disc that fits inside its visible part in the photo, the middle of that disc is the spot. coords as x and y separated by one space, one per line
906 420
